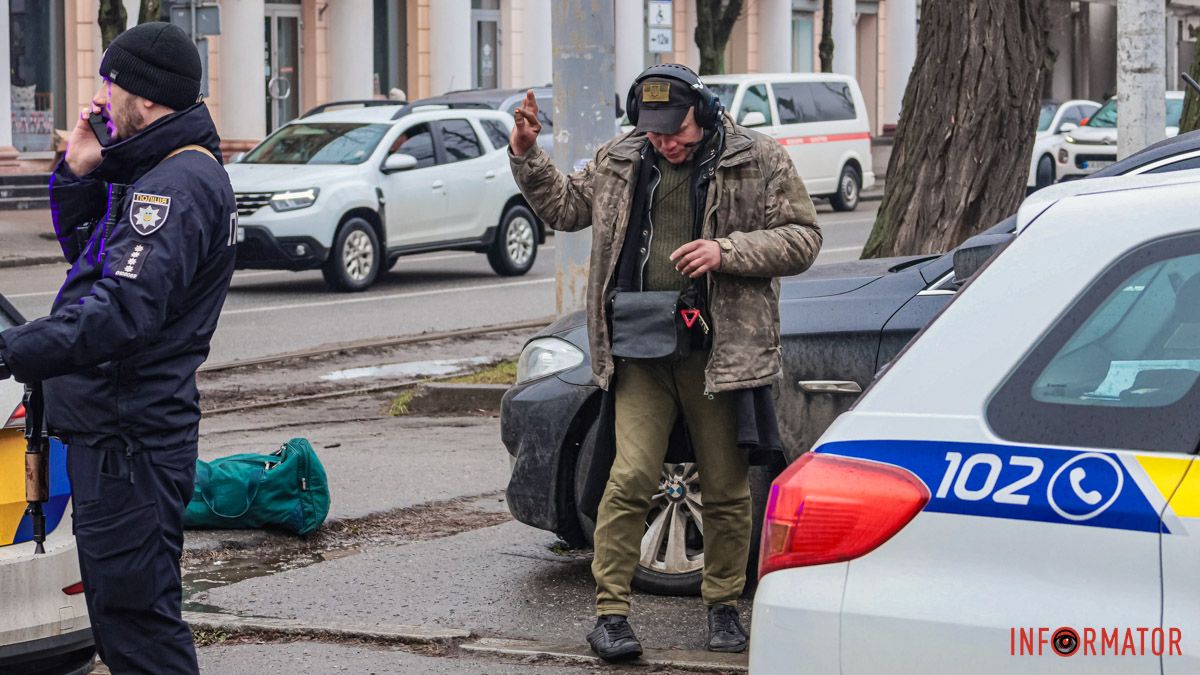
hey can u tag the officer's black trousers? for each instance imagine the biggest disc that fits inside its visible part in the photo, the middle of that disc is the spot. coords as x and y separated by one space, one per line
129 529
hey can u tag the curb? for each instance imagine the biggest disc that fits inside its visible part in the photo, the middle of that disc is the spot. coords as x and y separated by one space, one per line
710 662
440 398
378 633
31 261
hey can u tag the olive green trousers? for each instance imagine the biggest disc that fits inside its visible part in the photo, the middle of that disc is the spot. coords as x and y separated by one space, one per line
649 397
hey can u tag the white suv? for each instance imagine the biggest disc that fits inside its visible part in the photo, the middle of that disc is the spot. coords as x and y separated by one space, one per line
347 191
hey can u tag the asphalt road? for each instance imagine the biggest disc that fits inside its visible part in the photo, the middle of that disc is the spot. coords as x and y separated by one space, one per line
271 312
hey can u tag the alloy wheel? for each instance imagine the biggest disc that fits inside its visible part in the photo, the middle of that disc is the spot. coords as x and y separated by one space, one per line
358 255
674 539
519 241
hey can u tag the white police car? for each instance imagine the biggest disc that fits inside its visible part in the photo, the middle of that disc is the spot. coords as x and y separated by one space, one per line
1019 492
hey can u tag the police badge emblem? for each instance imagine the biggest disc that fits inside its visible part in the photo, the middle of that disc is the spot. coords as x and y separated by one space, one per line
148 212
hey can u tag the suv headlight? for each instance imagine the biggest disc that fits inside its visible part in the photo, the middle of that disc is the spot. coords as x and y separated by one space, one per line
295 199
546 356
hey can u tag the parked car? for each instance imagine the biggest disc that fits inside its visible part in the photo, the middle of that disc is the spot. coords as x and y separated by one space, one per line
1093 145
1055 121
44 626
821 120
840 325
1022 481
351 191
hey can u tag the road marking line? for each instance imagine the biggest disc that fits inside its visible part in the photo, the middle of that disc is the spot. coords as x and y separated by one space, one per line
393 296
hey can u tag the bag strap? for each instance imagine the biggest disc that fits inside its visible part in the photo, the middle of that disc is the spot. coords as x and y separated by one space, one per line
198 148
202 477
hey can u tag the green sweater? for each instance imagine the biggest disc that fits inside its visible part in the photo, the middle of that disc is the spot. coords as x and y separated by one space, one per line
671 216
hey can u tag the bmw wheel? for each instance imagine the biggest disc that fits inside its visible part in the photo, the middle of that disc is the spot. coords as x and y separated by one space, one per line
355 259
672 549
849 186
515 248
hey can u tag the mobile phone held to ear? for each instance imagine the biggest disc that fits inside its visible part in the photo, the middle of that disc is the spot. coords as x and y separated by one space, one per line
100 127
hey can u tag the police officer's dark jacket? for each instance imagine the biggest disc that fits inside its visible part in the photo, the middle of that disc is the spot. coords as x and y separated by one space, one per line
151 240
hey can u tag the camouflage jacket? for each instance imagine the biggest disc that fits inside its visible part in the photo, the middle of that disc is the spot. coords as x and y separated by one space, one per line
757 209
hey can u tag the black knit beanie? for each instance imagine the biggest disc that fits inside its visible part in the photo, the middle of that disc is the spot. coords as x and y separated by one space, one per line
156 61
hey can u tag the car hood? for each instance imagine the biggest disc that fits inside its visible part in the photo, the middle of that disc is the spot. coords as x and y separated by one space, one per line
1097 135
822 281
275 177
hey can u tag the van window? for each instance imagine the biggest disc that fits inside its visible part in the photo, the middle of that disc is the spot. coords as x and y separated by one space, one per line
755 100
1120 368
803 102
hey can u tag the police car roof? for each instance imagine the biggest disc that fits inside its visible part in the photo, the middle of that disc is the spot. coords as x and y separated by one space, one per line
1140 187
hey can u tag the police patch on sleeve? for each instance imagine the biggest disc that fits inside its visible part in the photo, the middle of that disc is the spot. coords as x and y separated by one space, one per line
148 212
132 263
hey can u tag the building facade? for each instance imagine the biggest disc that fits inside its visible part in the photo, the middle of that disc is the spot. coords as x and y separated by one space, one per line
274 59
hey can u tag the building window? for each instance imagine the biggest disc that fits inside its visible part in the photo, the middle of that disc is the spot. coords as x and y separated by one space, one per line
485 43
36 78
391 46
802 42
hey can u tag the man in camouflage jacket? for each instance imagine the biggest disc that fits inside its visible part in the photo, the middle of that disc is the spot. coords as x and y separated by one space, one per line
756 223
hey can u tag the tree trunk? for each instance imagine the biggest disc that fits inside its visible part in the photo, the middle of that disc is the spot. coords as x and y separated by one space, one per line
961 156
714 24
151 10
825 50
111 18
1191 100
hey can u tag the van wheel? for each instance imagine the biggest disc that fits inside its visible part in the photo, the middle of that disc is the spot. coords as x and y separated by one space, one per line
515 248
355 259
1045 173
849 187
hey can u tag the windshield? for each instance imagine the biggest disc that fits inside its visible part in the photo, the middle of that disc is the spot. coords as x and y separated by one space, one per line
724 92
1107 115
1047 116
319 143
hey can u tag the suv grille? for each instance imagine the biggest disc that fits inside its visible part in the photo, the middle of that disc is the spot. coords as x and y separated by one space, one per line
249 202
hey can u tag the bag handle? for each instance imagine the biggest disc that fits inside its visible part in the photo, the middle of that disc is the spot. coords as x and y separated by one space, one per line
202 475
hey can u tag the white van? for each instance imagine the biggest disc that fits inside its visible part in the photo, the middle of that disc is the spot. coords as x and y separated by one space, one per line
1021 485
819 117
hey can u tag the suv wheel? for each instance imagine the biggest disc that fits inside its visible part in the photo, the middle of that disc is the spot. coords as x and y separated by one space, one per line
515 248
355 259
849 186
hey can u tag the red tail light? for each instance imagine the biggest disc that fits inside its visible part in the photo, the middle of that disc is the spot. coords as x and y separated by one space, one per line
74 589
17 421
826 509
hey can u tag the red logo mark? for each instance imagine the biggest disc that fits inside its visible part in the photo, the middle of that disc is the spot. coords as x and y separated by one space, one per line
689 316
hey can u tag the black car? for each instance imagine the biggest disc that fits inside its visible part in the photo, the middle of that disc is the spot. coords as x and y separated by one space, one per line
840 325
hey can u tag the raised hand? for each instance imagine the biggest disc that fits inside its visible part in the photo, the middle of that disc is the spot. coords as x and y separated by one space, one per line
525 132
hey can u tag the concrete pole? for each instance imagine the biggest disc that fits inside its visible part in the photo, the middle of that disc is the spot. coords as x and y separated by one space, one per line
584 80
539 56
450 40
243 88
8 154
845 38
902 54
351 26
631 43
1141 80
775 36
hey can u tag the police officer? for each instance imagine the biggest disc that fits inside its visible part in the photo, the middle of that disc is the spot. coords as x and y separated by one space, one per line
148 223
688 198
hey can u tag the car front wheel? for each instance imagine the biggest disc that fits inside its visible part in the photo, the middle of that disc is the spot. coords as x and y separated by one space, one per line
355 259
515 248
1045 172
848 188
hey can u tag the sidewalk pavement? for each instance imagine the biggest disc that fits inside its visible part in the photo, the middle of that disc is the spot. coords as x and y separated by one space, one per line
27 238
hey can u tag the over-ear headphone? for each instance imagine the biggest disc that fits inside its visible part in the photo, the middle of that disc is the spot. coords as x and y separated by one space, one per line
708 106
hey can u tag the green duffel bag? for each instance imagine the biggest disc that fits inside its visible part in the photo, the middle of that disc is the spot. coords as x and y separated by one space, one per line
284 490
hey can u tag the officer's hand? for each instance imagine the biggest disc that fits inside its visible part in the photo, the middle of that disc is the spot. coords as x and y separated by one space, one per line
83 148
525 132
697 258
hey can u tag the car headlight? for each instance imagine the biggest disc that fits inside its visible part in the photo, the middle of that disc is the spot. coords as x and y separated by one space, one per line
295 199
546 356
1070 139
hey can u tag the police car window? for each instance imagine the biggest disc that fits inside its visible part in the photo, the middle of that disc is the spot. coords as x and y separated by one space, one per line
1120 368
497 133
319 143
460 141
418 142
755 100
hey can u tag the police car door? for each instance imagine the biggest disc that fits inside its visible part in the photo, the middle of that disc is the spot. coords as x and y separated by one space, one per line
1038 550
1181 574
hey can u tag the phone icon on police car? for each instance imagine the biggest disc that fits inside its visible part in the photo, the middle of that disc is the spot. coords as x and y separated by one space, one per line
1089 497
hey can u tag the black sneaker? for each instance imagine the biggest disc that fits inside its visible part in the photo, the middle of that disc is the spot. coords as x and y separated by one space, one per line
725 632
613 640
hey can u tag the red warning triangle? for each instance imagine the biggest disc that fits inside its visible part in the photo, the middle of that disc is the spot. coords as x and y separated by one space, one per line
689 316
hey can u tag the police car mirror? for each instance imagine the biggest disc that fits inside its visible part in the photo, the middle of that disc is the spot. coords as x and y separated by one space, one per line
975 253
754 119
399 162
